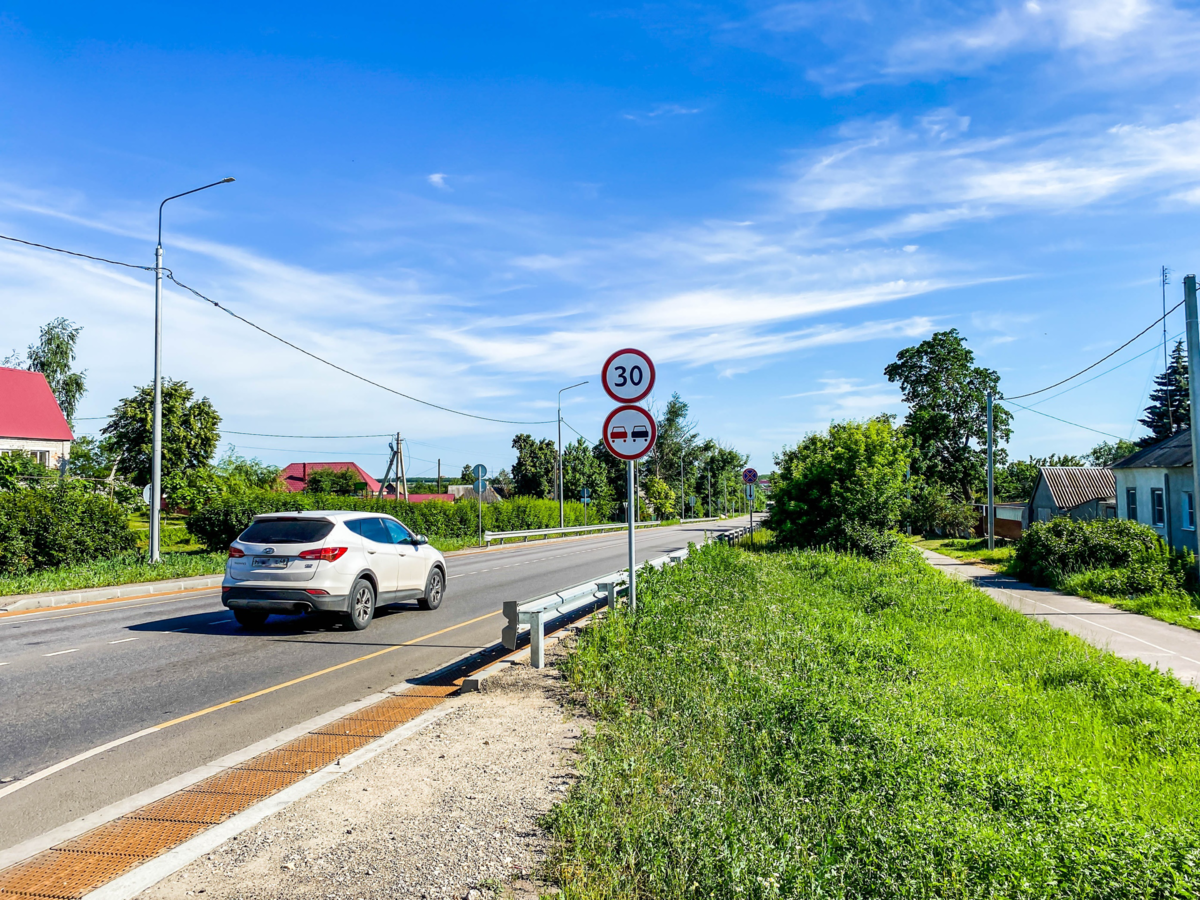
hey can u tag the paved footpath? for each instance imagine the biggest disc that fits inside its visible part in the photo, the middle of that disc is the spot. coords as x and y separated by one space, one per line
1128 635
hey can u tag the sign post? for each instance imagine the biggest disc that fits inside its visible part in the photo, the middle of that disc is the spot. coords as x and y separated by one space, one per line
480 472
750 476
585 494
629 431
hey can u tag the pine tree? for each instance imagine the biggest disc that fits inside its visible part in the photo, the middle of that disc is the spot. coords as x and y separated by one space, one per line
1169 411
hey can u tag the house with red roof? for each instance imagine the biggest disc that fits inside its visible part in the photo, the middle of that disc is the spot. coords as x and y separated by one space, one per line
295 476
31 422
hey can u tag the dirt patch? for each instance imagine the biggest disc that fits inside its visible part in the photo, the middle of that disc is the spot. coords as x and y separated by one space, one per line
451 812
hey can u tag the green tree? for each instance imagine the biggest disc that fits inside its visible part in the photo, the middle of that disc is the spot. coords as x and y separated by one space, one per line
533 472
677 439
582 470
932 509
947 411
190 432
1015 482
18 471
660 496
840 483
1169 411
54 355
332 481
466 476
1108 453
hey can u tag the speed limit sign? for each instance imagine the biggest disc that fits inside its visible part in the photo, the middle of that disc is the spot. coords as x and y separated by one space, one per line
628 376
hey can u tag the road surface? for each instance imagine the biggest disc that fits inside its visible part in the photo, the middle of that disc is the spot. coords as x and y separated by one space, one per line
76 679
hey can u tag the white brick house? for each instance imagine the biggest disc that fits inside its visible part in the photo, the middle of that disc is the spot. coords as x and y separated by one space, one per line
31 422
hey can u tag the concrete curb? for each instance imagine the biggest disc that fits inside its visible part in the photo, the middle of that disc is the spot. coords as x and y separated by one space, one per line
19 602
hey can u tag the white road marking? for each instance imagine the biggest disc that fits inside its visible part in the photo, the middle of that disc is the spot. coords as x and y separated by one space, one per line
123 641
3 664
61 652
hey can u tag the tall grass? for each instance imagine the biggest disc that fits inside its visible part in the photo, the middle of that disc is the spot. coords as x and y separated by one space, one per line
816 725
124 569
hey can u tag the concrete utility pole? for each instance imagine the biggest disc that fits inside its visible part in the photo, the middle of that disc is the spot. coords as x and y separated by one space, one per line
400 468
1166 361
991 471
1193 348
561 519
439 476
156 441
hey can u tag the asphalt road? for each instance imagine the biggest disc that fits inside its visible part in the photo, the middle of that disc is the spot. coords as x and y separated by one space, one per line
76 679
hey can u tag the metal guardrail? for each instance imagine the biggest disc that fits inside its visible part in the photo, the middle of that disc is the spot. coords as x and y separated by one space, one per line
535 613
702 519
489 536
736 534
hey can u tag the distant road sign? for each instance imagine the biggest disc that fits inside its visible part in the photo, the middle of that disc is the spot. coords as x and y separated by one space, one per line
480 486
629 432
749 491
585 493
749 476
479 471
628 376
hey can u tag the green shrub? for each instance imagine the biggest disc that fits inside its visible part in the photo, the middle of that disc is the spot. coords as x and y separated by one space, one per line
1049 552
225 518
59 524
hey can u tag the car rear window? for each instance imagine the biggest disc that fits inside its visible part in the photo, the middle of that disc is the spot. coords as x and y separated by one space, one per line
371 529
286 531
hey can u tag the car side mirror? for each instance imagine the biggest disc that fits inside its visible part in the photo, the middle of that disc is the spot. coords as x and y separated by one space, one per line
420 539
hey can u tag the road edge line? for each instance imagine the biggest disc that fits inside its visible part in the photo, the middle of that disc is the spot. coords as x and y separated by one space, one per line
152 872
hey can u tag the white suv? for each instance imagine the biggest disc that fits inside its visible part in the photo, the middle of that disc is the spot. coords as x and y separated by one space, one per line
322 561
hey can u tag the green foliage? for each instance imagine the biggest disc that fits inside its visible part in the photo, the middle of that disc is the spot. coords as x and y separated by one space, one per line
805 724
946 395
533 473
53 355
227 517
582 469
1107 453
1049 552
127 568
91 458
839 483
660 497
59 524
190 432
18 470
932 509
1169 411
339 482
1015 482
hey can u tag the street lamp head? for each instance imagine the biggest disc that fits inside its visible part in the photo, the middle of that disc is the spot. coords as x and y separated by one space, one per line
226 180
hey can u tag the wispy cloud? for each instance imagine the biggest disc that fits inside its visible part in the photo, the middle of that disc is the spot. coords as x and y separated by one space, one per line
661 110
438 180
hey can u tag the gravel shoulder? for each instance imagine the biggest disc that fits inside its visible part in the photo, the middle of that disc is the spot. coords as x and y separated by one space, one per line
451 812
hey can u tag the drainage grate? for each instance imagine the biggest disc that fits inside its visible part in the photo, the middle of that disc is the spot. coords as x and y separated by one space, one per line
260 783
357 727
195 806
339 745
133 837
55 873
304 762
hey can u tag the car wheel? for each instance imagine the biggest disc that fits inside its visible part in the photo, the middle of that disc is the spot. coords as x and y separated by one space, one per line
362 605
250 618
435 586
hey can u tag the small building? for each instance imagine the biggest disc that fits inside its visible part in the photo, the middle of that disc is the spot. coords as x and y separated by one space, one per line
458 491
1080 492
295 475
1154 486
31 422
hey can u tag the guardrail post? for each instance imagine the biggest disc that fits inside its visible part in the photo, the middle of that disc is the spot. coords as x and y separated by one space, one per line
608 588
508 635
537 635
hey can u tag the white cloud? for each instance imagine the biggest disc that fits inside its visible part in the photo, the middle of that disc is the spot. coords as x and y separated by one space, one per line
660 110
438 180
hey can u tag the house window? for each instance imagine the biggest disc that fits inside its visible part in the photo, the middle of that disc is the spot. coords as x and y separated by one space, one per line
1131 504
1189 511
1158 510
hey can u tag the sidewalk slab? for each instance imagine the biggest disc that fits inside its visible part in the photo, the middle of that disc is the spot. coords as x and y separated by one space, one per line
1128 635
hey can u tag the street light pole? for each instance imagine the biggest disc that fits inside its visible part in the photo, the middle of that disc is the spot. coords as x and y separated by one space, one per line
561 522
156 458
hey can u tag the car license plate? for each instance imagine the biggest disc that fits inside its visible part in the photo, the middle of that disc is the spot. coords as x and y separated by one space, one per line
270 562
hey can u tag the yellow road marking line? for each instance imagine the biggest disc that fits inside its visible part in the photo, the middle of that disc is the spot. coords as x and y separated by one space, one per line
87 754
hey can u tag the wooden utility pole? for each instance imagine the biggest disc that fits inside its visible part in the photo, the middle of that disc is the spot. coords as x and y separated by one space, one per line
400 468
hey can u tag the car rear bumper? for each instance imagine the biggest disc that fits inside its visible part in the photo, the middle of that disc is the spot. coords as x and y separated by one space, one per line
291 601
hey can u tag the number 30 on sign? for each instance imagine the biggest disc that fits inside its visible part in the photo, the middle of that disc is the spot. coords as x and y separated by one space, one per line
628 376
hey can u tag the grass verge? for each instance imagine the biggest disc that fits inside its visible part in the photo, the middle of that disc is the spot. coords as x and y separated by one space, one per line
972 550
816 725
128 569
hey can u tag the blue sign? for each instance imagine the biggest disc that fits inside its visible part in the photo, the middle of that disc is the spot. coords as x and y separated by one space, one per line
585 493
480 486
479 471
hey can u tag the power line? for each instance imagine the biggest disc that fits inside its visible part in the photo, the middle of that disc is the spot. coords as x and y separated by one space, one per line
309 437
1100 360
1065 422
1106 371
171 277
573 428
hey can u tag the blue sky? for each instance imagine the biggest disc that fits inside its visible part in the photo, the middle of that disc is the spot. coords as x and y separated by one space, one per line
476 204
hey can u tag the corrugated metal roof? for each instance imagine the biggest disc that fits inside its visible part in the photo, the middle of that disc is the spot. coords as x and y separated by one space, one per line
1174 451
1073 485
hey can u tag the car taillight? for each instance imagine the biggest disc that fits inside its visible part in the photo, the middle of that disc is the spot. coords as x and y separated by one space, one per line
328 554
235 553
